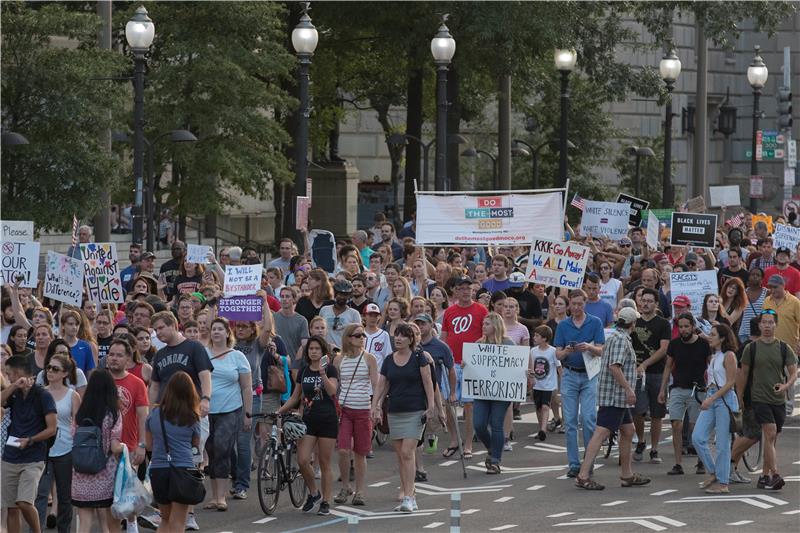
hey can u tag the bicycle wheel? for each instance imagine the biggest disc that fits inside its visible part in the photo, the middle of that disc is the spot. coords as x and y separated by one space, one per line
610 444
269 478
380 437
297 485
752 457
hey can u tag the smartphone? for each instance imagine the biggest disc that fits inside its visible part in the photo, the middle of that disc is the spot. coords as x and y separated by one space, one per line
572 345
323 362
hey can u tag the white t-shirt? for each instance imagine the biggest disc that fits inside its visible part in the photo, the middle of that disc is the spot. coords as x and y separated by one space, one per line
544 364
609 291
379 344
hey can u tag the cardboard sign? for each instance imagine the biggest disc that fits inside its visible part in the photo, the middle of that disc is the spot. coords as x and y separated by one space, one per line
766 219
63 279
248 308
495 372
21 259
786 237
609 219
303 203
695 285
693 229
637 207
696 205
17 230
664 216
101 272
242 280
557 264
791 206
724 196
653 233
197 253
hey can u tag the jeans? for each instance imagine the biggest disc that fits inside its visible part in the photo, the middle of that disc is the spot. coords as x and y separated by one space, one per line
716 420
242 456
59 468
490 413
577 390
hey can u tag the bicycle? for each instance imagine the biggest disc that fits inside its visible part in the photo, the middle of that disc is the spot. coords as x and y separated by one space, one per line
278 469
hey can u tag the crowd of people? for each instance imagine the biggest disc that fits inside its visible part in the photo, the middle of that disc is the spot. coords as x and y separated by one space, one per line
379 341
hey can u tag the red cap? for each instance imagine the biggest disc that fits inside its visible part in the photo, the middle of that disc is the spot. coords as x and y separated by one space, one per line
682 301
660 257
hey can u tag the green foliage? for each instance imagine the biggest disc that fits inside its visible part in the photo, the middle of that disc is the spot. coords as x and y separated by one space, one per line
49 96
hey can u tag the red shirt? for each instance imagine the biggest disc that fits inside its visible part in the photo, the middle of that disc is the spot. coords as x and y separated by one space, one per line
132 394
789 275
463 324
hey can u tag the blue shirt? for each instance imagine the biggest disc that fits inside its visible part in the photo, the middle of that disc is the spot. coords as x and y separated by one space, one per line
226 393
179 438
127 275
601 310
590 331
492 285
82 353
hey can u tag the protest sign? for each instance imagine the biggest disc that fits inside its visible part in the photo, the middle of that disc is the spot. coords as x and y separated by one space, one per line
637 207
724 196
696 205
653 227
557 264
495 372
17 230
791 206
248 308
786 236
303 203
21 259
608 219
766 219
101 272
663 215
693 229
323 250
197 253
242 280
63 279
464 219
695 285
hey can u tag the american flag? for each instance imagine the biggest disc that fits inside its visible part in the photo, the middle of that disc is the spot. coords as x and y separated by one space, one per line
577 201
736 221
74 230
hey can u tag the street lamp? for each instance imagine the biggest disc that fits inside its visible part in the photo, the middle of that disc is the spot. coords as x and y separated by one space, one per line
472 152
670 69
533 153
565 60
400 139
139 32
638 152
443 48
10 138
757 73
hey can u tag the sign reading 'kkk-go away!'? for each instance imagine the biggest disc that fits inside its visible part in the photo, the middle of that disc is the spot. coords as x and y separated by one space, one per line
557 264
693 229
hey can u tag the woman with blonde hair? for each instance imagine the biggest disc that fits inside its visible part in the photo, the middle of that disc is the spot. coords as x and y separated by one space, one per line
400 288
321 294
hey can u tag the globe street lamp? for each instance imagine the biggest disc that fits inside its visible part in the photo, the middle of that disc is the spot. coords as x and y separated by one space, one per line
10 138
638 152
443 48
565 60
670 69
757 74
139 32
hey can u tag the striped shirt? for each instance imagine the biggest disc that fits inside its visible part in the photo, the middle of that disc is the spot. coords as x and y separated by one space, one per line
355 384
751 310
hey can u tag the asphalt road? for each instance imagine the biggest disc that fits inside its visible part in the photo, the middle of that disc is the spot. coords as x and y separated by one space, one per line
533 493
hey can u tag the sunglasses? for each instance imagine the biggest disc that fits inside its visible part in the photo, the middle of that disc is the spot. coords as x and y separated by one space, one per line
358 336
769 312
51 368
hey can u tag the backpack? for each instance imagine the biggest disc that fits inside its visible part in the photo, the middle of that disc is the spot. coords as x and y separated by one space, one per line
748 386
88 455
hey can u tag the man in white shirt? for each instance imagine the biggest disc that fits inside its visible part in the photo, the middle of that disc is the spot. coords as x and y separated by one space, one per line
379 343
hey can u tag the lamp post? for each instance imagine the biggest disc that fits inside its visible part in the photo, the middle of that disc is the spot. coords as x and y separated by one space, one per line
139 32
565 60
304 41
443 48
472 152
670 69
757 74
533 153
399 139
639 152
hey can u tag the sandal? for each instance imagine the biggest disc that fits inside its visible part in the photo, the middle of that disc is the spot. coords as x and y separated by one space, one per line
210 506
343 495
717 489
467 454
707 483
222 507
358 499
588 484
449 451
493 468
634 481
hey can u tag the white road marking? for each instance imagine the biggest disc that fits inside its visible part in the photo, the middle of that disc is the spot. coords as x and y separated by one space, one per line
433 525
792 478
504 499
535 487
470 511
379 484
448 463
479 452
796 511
503 528
740 523
542 449
265 520
615 503
559 515
662 492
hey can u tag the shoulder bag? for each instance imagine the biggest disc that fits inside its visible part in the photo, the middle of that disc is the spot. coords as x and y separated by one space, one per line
276 381
339 409
185 484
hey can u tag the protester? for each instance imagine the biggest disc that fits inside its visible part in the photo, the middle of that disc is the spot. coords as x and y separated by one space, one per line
543 369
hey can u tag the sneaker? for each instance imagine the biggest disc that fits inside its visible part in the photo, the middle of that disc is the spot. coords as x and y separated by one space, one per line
561 428
517 414
50 522
131 527
371 455
240 494
420 476
551 425
343 496
654 458
324 509
677 470
312 502
541 435
407 506
699 469
639 451
507 447
414 505
191 523
573 472
762 482
150 521
736 477
775 482
690 451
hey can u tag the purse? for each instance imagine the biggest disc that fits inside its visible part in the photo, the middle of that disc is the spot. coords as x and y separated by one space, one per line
734 419
276 381
185 484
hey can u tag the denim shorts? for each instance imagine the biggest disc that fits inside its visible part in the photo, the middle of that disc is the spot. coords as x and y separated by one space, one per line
682 400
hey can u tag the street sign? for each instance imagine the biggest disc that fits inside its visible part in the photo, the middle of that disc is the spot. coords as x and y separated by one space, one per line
769 145
756 187
791 151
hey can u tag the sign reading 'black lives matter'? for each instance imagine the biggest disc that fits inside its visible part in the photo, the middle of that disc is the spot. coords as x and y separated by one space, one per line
693 229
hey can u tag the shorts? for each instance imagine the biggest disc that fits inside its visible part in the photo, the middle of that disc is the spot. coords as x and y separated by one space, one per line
647 399
751 429
612 418
407 425
766 413
321 426
459 378
270 402
159 482
355 431
681 400
542 397
21 482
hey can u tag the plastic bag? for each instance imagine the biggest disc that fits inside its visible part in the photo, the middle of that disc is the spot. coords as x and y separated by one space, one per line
131 497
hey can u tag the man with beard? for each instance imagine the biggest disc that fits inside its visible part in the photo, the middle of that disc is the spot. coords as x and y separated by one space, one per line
782 268
359 300
339 314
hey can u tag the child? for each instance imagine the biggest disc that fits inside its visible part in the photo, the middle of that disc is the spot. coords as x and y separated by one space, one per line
543 371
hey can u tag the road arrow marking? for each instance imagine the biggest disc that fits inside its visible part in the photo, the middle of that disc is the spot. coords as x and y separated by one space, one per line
756 500
650 522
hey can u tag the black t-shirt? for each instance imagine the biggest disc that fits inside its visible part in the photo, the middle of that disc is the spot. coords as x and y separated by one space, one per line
360 307
103 344
316 400
406 392
647 340
171 270
726 273
189 356
689 361
529 306
307 309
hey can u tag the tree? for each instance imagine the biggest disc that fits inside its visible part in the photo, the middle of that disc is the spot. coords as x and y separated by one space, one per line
52 95
651 170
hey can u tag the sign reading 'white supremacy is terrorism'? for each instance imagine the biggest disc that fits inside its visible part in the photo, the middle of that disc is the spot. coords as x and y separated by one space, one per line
495 372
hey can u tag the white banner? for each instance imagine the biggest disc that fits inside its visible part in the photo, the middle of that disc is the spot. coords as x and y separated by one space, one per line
495 372
724 196
695 285
608 219
491 219
197 253
557 264
786 237
63 279
21 259
242 280
17 230
653 230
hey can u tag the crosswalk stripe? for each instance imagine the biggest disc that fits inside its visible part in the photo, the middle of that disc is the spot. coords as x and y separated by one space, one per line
504 499
662 492
503 528
447 463
535 487
379 484
265 520
615 503
433 525
559 515
470 511
740 523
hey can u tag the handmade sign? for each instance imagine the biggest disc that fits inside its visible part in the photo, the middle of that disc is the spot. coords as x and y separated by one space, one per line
557 264
693 229
63 279
248 308
637 207
21 259
605 219
197 253
303 203
653 227
724 196
495 372
766 219
242 280
695 285
101 272
786 236
17 230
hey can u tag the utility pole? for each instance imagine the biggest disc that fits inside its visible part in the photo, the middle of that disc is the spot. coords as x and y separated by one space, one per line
504 132
785 124
699 178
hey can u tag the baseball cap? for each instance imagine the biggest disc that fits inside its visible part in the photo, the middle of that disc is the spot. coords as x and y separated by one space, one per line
783 250
343 286
516 279
423 317
372 309
148 255
463 280
625 240
775 279
682 301
628 314
692 257
660 257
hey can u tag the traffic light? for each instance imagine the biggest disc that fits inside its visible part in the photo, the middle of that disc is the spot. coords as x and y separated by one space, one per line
784 108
